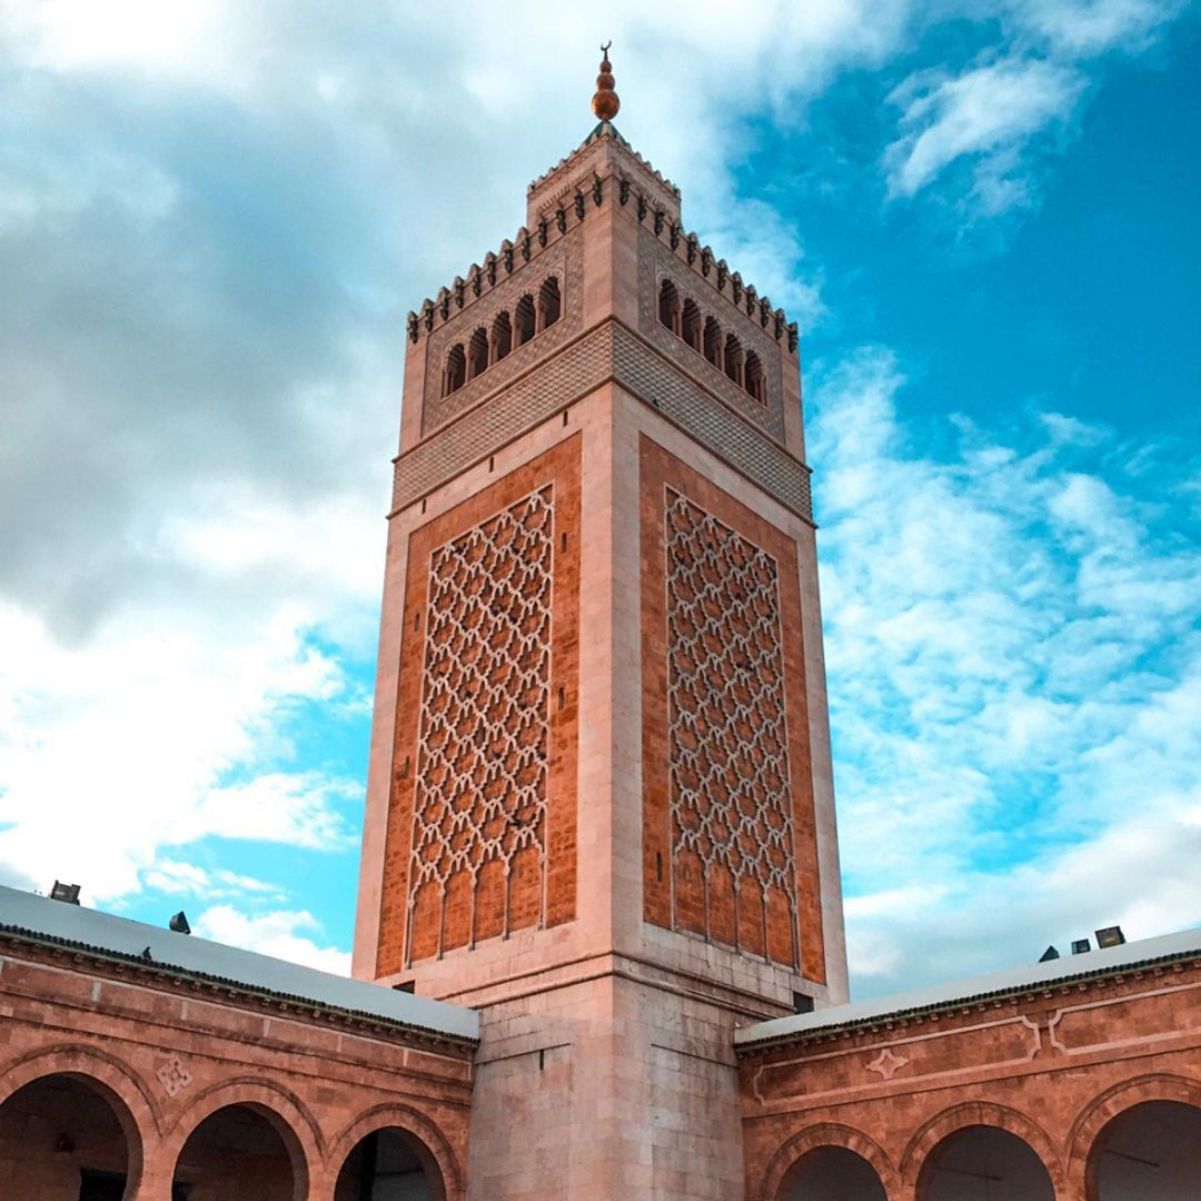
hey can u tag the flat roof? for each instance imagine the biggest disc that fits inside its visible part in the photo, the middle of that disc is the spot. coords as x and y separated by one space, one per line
39 919
1011 981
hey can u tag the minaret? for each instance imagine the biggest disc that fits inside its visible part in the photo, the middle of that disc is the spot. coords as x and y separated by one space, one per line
599 798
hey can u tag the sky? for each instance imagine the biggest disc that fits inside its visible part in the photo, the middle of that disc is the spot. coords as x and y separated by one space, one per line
214 217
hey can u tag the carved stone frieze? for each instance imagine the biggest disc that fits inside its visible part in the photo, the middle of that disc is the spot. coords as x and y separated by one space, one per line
609 351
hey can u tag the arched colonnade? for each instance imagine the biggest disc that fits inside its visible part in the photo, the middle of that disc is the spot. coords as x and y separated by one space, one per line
1140 1141
76 1125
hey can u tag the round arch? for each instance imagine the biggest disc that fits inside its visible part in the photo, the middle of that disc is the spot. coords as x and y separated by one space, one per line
118 1084
98 1136
429 1142
979 1113
287 1115
826 1134
1097 1115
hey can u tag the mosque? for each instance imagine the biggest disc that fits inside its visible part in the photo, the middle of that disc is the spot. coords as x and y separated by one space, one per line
599 948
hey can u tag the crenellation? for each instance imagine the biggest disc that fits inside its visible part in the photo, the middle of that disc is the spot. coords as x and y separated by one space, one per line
481 280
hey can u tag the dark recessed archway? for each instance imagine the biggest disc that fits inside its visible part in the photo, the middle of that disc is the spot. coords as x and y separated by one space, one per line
240 1153
1149 1152
832 1174
390 1165
984 1163
63 1139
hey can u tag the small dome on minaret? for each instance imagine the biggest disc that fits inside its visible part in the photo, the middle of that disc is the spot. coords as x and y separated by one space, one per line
605 103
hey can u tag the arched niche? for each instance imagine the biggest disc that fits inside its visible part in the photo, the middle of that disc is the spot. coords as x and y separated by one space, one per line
390 1164
984 1163
66 1137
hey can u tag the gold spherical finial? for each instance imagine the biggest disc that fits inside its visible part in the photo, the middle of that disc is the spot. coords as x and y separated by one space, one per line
605 103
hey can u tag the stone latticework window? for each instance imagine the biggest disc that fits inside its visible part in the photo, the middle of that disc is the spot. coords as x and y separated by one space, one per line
730 798
479 817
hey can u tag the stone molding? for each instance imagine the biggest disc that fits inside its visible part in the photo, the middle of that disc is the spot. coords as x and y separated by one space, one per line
1006 1043
608 352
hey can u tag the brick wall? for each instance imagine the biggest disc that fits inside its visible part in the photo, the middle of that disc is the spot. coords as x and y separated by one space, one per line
481 836
729 847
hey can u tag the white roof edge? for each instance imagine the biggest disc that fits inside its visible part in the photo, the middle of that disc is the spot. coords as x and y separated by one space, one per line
1010 980
107 932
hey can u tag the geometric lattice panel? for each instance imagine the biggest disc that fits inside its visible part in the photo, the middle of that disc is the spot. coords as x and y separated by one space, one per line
730 797
480 793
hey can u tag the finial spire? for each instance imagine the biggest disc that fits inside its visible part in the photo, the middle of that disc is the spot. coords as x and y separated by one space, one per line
605 103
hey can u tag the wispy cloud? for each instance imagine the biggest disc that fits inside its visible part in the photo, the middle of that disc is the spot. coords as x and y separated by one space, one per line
1090 27
1014 650
987 116
285 934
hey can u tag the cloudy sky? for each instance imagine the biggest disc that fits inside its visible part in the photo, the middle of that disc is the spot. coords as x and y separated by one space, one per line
213 219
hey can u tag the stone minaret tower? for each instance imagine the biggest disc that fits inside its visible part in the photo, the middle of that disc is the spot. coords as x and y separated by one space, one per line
599 802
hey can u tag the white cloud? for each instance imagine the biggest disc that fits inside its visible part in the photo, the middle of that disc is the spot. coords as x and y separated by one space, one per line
187 879
1088 27
986 114
1014 658
120 745
285 934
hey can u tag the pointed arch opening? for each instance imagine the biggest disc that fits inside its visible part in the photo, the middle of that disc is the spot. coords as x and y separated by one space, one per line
550 302
753 378
733 359
526 324
477 353
713 342
669 306
691 325
502 337
454 376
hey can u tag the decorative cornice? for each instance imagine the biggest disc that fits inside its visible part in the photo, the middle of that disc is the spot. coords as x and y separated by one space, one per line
604 130
901 1018
217 988
595 193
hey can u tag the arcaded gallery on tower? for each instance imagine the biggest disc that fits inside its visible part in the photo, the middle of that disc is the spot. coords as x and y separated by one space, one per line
599 950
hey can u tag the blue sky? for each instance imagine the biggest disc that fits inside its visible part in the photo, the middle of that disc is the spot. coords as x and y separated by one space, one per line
213 218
